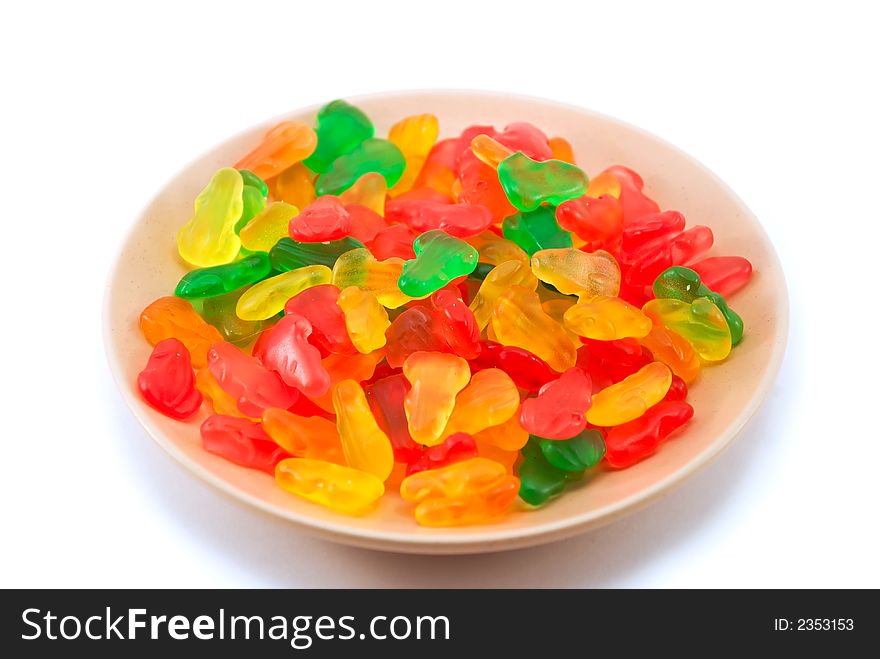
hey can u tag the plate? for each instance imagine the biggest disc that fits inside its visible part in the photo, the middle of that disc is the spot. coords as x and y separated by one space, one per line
724 396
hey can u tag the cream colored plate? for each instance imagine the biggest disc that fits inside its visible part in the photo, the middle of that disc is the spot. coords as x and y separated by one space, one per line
725 396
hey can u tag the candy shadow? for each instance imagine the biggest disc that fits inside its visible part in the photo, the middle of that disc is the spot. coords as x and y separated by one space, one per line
277 556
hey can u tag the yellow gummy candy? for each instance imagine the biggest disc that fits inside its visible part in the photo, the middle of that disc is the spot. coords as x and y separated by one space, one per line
267 227
606 319
436 379
499 279
414 136
481 507
574 272
631 397
368 191
366 447
339 488
365 319
209 237
267 298
494 249
456 480
357 267
518 320
490 399
700 322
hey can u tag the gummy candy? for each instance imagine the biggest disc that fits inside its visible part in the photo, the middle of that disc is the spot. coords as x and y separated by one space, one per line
631 397
253 387
209 238
241 441
365 319
172 317
632 442
557 412
287 254
372 155
167 381
334 486
574 272
323 220
364 444
435 380
414 136
606 319
700 322
471 319
519 320
529 183
358 267
266 228
490 399
440 258
285 349
282 146
267 298
220 279
303 437
684 284
536 230
339 127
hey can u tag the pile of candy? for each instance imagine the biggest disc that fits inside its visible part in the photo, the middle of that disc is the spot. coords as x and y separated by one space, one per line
468 321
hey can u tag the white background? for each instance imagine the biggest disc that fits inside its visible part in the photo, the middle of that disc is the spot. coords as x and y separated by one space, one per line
102 103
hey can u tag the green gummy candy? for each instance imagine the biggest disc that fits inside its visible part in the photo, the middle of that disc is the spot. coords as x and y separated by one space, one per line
536 230
340 127
288 254
680 283
578 453
529 183
373 155
220 279
253 202
251 179
220 312
539 481
440 258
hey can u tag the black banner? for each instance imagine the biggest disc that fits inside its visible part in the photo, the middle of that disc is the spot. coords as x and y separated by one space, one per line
420 623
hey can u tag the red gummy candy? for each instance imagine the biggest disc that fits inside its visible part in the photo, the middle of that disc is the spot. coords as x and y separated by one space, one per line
241 441
385 397
691 244
724 275
598 221
253 387
527 370
454 448
318 305
393 241
460 220
167 382
365 222
322 220
285 349
634 441
455 323
649 231
557 412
